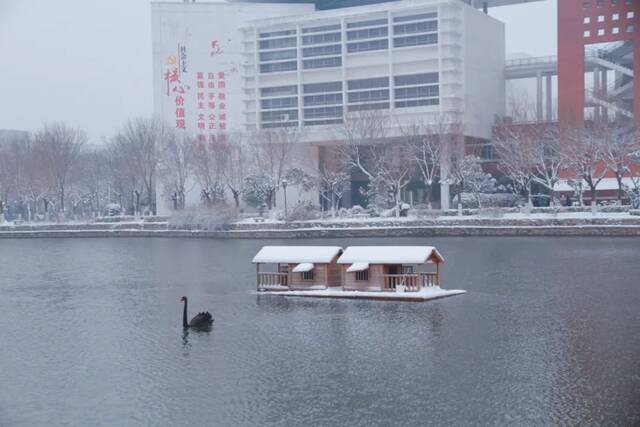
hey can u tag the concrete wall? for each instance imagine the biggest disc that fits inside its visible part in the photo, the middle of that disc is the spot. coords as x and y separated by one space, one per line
484 82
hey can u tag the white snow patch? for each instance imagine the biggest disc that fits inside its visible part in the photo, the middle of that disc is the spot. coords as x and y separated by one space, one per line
358 266
388 254
425 294
303 268
297 254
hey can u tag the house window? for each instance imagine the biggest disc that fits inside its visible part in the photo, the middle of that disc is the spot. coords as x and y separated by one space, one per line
615 30
601 32
587 33
587 20
362 276
615 17
600 18
307 276
630 15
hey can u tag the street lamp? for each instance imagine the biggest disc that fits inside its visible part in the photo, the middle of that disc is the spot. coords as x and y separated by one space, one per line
284 189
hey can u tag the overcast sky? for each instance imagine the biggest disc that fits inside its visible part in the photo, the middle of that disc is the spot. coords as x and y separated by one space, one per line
88 62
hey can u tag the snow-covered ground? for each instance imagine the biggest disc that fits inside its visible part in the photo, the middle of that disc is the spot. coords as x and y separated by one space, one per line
425 294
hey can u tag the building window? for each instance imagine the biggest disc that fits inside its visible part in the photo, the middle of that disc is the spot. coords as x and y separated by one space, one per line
278 103
277 43
615 30
629 28
322 87
587 33
277 55
276 67
307 276
371 23
587 20
615 17
279 91
424 39
321 38
321 29
369 96
309 64
600 18
601 32
328 99
630 15
277 34
419 17
368 46
335 49
362 276
368 83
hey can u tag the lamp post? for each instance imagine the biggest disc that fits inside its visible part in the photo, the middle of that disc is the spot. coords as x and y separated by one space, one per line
284 189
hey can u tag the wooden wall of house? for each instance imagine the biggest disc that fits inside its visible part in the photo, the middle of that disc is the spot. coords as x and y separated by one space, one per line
319 278
334 273
375 282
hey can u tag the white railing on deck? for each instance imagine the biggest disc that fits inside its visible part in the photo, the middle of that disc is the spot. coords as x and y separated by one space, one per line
411 282
272 280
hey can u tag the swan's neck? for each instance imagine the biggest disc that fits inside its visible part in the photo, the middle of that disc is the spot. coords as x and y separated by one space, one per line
185 324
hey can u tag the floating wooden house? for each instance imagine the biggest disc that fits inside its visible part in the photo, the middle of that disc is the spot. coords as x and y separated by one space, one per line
390 268
280 268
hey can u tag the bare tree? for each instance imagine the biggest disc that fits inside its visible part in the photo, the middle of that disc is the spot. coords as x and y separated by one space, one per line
271 154
93 178
60 147
176 164
621 145
515 150
235 165
468 176
428 140
584 154
333 179
381 159
142 140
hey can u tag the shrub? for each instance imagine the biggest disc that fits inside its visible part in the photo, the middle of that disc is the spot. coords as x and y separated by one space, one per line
218 218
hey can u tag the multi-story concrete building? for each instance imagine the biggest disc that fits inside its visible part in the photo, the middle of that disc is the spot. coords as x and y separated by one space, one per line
244 67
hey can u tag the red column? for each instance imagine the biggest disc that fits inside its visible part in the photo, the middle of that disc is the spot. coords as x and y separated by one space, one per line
570 62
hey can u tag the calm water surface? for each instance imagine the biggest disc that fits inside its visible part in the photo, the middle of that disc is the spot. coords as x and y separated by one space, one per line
90 334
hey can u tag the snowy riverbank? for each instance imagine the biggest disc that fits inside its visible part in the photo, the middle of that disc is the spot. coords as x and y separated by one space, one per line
506 224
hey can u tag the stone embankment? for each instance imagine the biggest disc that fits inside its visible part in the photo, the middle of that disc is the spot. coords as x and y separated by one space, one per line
614 225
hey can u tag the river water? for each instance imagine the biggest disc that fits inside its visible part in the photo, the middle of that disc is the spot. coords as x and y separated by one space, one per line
90 334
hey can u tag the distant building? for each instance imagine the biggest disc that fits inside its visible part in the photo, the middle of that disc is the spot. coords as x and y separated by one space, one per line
242 66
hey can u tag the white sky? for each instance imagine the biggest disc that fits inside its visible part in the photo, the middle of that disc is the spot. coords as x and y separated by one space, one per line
88 62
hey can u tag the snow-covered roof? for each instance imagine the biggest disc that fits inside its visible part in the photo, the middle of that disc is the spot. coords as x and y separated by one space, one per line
389 255
358 266
297 254
303 268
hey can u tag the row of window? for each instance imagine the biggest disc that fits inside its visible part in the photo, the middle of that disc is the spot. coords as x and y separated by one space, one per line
322 102
614 17
352 85
333 115
586 4
614 30
366 46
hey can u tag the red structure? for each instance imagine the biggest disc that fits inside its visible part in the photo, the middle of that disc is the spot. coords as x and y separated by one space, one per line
582 23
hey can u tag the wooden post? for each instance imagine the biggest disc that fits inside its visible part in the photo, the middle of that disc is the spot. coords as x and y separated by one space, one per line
438 274
258 276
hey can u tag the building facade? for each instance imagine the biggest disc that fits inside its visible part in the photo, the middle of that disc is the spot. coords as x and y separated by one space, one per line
598 59
239 67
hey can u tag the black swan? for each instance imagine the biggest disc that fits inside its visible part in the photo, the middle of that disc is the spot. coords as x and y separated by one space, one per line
200 320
